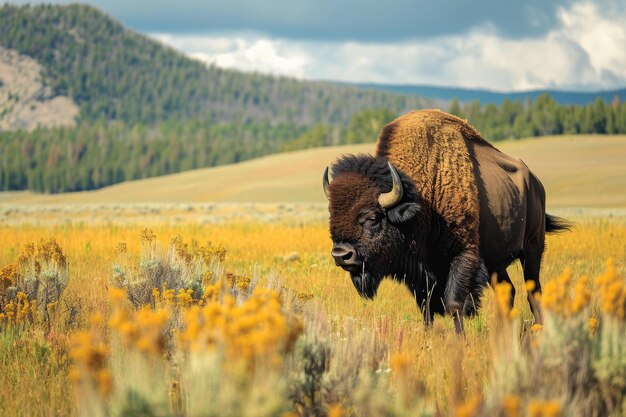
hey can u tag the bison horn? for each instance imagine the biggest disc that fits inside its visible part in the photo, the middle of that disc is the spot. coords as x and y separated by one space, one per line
391 198
326 183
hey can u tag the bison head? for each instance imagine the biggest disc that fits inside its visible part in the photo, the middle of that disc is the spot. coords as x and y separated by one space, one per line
371 205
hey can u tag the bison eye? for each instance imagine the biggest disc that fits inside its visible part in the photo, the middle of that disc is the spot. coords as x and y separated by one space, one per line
369 219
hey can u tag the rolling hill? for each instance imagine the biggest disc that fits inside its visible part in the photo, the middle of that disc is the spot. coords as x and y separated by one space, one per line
577 171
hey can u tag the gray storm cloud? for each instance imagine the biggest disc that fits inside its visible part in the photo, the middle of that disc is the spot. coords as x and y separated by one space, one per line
356 20
493 44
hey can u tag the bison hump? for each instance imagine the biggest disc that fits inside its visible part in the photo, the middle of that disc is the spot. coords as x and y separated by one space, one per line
433 149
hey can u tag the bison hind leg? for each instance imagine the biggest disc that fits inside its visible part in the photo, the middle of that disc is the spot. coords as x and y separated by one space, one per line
531 263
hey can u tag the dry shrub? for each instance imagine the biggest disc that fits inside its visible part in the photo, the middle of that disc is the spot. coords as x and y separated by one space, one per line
573 365
31 289
182 266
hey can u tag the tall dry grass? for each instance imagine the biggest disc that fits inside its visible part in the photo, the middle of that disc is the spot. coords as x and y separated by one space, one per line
354 357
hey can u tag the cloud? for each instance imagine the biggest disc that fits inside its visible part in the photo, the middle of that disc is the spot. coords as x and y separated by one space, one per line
585 50
332 20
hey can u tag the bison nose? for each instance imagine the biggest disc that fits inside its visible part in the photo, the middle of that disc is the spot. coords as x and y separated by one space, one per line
345 255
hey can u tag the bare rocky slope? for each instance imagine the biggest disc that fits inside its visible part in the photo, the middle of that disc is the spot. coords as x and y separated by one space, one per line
25 102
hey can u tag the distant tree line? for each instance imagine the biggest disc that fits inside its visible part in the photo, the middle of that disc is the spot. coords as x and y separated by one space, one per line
544 116
511 120
95 155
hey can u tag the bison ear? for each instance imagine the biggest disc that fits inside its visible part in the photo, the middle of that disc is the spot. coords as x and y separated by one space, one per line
403 212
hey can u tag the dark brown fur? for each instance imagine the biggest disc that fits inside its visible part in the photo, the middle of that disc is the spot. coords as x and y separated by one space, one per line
479 209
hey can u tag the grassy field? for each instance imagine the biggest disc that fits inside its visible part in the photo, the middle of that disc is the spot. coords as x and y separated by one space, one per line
308 346
577 171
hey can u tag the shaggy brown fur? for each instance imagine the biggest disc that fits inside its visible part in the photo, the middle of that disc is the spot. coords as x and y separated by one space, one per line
353 201
431 147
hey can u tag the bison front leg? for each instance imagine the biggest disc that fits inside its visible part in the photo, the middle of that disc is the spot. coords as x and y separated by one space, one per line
424 288
466 271
425 301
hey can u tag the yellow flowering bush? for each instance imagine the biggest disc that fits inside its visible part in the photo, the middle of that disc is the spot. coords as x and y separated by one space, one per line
256 328
31 288
612 292
574 344
257 332
19 311
182 266
563 299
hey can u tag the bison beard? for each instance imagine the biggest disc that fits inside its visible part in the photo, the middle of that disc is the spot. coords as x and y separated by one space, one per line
365 284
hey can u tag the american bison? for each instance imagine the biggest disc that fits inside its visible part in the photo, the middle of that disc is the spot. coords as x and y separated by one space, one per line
440 209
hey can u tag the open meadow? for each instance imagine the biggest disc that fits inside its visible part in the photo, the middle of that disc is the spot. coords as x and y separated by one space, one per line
213 293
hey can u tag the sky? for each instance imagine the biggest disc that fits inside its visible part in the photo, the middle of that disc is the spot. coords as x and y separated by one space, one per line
503 45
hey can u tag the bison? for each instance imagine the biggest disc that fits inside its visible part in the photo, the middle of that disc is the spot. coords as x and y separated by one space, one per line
440 209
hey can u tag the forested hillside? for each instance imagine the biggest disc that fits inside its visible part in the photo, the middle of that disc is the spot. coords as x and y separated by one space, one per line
100 154
113 73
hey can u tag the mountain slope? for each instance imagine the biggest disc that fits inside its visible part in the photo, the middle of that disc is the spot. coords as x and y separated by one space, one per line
112 72
577 171
24 102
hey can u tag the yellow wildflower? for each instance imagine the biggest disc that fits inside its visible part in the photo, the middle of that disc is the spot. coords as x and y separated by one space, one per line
242 283
8 276
612 292
147 236
104 381
400 363
120 249
184 298
304 296
468 409
582 295
554 296
511 405
335 411
90 358
211 292
117 294
539 408
593 325
503 296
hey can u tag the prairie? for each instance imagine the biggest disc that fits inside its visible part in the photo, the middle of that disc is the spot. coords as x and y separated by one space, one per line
310 346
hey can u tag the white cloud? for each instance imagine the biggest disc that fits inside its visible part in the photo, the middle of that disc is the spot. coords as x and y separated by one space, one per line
243 52
587 50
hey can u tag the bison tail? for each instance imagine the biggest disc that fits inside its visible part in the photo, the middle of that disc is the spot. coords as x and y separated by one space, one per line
556 224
